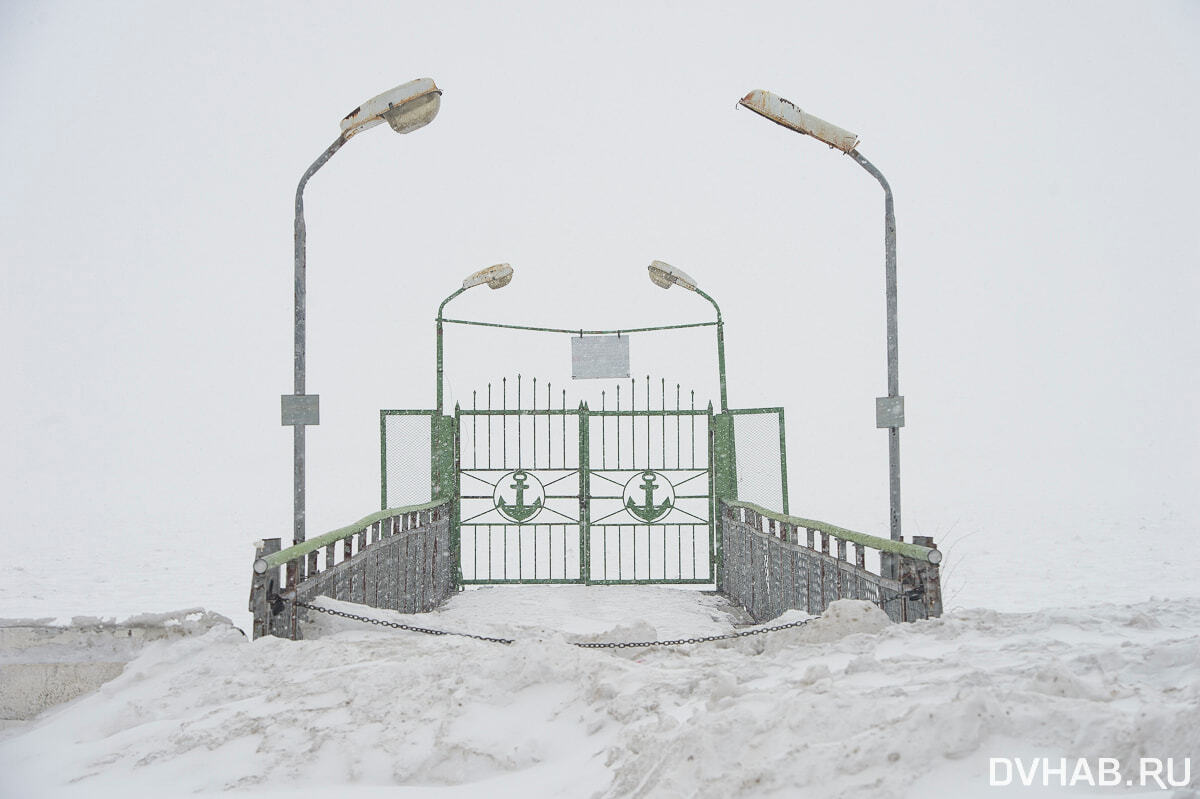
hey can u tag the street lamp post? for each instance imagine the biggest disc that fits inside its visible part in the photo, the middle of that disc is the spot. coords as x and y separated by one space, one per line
405 108
664 276
495 277
889 410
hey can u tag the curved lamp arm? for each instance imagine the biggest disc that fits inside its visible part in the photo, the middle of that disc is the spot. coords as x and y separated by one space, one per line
664 276
495 277
301 258
889 246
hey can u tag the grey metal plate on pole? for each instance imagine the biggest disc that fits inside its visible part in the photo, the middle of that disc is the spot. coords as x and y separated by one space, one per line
300 409
889 411
595 357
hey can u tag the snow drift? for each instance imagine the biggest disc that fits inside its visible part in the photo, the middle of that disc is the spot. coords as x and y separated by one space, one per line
848 705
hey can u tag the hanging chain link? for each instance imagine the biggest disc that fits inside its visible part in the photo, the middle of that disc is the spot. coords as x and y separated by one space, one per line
399 626
580 644
678 641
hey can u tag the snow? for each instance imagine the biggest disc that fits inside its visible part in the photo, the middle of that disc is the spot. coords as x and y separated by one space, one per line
1049 341
847 705
90 639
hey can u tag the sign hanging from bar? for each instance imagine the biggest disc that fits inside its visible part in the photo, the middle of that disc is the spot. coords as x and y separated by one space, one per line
599 357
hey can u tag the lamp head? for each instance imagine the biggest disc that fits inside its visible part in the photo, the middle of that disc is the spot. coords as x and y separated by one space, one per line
784 112
407 107
496 277
664 276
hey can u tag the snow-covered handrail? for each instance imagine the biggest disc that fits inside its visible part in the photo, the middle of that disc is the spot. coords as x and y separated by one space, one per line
400 558
304 547
765 564
914 551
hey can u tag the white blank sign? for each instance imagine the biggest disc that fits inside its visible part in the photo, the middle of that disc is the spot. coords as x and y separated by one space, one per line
599 357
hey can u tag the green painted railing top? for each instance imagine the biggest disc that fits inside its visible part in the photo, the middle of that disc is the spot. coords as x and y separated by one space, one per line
297 550
914 551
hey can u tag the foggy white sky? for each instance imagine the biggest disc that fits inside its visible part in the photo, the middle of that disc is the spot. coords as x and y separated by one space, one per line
1043 158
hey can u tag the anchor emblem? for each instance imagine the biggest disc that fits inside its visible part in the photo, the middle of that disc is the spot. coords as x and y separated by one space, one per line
523 484
650 484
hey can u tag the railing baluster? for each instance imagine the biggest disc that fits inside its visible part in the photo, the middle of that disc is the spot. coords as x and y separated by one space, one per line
841 573
401 571
422 555
342 588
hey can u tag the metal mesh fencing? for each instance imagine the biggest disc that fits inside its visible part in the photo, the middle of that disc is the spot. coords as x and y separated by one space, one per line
406 457
761 457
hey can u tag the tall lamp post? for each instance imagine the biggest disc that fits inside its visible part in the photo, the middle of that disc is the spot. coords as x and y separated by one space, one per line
889 410
405 108
495 277
664 276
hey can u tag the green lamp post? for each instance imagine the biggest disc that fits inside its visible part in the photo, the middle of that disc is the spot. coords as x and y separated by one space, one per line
495 277
664 276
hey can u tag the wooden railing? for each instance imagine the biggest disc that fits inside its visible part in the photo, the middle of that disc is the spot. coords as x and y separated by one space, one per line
400 559
771 562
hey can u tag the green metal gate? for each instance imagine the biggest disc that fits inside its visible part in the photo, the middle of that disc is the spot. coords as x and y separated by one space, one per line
580 495
547 492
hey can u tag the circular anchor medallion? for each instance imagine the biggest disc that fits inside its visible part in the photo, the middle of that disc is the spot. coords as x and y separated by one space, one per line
519 496
649 496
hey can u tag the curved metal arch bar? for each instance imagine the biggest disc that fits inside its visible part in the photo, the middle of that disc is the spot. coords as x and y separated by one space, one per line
576 331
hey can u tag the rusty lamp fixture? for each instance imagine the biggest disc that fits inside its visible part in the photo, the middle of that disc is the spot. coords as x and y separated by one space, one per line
889 410
405 108
495 277
664 276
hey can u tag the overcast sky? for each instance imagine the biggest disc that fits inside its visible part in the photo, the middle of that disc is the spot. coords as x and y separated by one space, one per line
1043 158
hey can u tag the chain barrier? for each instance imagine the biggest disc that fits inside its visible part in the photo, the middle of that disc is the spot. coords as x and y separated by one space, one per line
580 644
678 641
399 626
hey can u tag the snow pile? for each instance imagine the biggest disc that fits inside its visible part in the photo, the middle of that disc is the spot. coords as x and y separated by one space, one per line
43 664
91 639
847 705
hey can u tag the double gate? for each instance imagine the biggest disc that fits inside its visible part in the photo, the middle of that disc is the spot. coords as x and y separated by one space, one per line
577 495
623 493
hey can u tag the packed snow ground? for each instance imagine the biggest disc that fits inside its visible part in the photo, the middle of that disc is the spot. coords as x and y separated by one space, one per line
848 705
